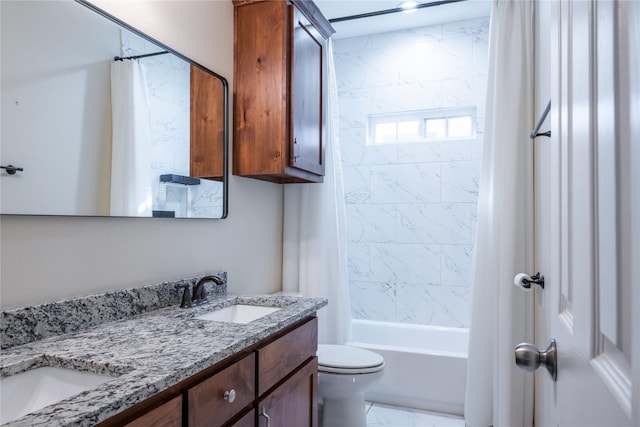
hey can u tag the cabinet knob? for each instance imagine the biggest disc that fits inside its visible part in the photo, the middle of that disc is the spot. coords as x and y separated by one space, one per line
230 395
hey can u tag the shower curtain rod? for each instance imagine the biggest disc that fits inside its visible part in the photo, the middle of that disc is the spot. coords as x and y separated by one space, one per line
118 58
394 10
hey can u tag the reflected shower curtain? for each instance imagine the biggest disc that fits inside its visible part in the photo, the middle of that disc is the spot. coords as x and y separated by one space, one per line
130 148
498 393
315 243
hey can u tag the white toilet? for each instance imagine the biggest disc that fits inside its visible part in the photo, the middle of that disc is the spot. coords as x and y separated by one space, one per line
345 373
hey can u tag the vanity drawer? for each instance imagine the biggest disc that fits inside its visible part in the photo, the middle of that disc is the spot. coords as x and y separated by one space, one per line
280 357
167 415
207 403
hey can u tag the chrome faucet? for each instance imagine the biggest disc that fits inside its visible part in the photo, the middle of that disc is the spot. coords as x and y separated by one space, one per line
199 292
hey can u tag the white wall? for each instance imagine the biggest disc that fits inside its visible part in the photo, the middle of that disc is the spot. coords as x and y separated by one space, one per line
48 258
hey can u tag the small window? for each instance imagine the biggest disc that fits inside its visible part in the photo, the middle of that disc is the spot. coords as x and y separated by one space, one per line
436 128
421 126
459 127
408 130
390 132
386 132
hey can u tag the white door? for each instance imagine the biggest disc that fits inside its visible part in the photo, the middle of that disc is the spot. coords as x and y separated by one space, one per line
587 217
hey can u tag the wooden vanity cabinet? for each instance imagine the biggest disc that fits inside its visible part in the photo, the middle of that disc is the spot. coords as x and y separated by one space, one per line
220 397
294 403
278 358
248 420
292 356
277 376
166 415
279 90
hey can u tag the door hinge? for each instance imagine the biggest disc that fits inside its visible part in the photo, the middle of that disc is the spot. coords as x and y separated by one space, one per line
296 148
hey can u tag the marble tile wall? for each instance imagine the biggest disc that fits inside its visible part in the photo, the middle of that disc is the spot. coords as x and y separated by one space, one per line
168 81
411 208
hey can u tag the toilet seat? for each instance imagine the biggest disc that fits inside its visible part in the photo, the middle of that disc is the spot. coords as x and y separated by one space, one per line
347 360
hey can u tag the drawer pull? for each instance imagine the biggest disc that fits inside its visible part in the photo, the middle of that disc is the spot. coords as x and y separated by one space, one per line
230 395
264 414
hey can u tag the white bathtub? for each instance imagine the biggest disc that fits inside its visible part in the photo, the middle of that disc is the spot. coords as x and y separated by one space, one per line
425 366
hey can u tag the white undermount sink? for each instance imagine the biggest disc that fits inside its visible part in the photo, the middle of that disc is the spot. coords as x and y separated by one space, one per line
238 313
29 391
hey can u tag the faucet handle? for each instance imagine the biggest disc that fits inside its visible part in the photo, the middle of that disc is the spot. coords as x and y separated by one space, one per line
186 296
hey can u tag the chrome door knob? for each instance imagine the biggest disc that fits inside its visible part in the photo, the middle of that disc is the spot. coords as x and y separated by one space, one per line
529 358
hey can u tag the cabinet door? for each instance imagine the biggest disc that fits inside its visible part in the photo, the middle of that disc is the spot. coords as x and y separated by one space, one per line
261 134
294 403
277 359
207 130
307 70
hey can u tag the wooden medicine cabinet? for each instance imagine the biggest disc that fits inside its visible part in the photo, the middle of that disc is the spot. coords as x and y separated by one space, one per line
279 90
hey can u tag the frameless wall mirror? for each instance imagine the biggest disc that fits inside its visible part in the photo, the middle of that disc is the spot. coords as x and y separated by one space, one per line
145 135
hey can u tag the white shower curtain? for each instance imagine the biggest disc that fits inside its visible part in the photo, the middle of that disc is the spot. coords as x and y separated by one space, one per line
498 393
131 146
314 247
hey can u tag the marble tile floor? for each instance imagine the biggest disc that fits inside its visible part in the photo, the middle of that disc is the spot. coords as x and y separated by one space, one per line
379 415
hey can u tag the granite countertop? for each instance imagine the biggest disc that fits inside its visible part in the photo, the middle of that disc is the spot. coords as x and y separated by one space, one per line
146 353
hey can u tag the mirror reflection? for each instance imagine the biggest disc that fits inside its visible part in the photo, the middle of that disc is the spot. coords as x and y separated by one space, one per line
142 135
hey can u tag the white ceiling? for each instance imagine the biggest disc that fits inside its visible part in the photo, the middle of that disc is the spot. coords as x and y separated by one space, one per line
423 17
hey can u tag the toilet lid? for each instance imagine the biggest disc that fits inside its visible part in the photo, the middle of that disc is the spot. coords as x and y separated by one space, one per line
348 360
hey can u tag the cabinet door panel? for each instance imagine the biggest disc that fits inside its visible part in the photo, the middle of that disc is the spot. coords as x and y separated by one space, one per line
294 403
307 97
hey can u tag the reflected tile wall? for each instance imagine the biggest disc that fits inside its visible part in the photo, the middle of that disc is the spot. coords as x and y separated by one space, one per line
411 208
168 84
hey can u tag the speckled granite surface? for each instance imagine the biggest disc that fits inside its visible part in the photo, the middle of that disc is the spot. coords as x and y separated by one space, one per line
147 352
27 324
